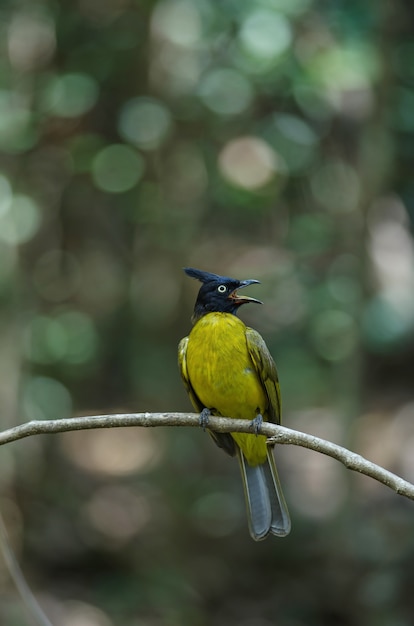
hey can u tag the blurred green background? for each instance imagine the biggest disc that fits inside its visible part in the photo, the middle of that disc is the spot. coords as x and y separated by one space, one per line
268 139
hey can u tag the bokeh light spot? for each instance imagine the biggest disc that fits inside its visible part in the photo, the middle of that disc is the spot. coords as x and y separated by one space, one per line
312 102
116 451
354 66
69 337
83 614
6 195
46 398
384 324
45 340
21 221
144 122
293 139
18 130
118 513
81 335
82 149
345 289
226 91
70 95
248 162
178 21
117 168
295 129
379 589
31 40
265 34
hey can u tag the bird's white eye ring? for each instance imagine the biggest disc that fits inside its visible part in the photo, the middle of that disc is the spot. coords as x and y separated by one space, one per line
222 288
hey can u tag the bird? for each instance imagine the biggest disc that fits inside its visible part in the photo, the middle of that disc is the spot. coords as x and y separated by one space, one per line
228 371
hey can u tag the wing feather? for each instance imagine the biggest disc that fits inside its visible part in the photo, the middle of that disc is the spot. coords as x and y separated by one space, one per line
266 370
182 364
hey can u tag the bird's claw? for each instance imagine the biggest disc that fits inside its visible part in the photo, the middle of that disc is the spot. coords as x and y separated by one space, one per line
204 418
256 424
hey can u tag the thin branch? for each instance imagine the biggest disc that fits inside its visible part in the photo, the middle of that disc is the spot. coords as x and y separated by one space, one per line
275 433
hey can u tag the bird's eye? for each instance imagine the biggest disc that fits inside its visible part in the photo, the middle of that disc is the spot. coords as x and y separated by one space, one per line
222 289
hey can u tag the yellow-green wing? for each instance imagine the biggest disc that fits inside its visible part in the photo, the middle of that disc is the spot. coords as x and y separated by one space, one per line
182 364
266 369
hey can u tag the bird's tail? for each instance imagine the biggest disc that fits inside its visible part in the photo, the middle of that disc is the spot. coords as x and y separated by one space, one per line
266 507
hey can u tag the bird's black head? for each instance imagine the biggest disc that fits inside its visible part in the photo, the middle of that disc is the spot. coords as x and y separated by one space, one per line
218 293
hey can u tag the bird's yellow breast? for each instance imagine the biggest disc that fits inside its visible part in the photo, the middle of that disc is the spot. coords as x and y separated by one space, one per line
223 376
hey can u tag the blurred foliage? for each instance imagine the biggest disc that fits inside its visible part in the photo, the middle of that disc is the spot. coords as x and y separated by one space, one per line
266 138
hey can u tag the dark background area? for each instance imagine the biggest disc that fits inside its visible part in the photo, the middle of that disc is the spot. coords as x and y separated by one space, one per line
268 139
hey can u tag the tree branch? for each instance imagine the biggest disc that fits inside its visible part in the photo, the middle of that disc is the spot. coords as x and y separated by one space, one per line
275 433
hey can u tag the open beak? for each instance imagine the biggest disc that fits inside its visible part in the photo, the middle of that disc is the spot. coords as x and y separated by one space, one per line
244 299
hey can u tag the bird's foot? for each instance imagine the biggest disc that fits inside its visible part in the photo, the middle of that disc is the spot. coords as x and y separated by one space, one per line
256 424
204 418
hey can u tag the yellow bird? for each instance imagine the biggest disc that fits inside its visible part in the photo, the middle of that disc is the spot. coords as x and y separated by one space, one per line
228 371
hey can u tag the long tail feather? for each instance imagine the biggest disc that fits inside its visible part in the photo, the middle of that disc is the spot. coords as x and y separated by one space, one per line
266 507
